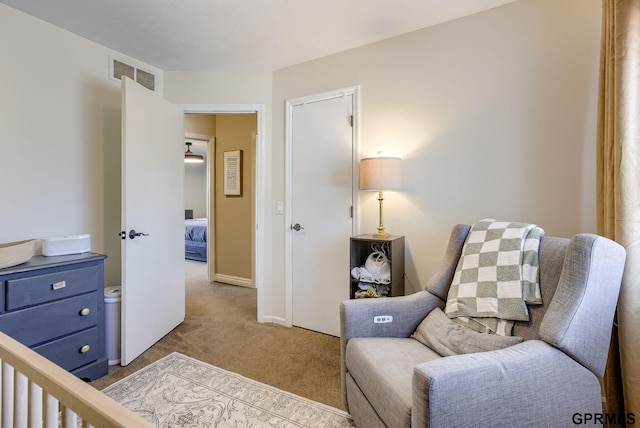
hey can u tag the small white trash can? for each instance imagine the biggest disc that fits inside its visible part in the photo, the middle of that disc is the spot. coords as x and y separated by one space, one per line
112 296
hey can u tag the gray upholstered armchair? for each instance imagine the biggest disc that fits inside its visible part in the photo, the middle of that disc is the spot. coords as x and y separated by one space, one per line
392 380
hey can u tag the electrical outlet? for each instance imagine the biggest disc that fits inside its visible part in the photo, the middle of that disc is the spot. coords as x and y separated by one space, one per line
382 319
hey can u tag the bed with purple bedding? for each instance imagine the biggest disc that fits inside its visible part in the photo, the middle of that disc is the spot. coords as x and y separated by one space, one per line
195 239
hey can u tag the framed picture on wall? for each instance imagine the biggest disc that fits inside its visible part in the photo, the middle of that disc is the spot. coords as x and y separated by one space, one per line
233 173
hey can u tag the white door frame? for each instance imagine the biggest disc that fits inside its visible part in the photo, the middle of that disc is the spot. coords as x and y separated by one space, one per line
210 159
259 249
290 104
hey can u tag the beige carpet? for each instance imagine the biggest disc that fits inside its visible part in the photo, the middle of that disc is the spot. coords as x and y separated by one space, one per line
181 391
221 329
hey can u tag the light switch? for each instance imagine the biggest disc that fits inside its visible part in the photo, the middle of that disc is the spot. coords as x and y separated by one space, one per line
279 207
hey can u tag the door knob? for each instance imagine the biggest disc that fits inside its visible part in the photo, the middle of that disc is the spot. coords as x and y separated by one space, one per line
133 234
297 227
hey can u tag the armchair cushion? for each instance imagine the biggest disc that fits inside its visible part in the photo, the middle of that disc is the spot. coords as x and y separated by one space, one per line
382 369
447 337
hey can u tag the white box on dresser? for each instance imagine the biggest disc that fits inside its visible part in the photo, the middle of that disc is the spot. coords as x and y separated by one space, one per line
66 244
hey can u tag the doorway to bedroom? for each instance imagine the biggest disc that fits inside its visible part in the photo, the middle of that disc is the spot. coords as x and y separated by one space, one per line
219 195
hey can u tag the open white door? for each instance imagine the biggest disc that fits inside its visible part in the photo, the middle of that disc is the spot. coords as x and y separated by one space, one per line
153 300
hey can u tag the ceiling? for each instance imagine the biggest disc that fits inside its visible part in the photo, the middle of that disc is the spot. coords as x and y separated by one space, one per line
242 35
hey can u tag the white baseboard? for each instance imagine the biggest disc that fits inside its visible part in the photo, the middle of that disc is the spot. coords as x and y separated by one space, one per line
233 280
245 282
275 320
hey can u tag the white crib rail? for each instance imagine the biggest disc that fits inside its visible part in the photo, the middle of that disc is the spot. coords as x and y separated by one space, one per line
37 393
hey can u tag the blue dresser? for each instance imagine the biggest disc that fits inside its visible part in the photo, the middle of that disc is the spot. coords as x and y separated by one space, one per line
55 305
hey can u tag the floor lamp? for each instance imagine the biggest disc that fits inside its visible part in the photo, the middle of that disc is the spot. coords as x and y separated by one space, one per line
380 174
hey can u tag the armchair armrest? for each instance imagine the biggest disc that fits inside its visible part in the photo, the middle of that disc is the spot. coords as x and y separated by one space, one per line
357 316
529 384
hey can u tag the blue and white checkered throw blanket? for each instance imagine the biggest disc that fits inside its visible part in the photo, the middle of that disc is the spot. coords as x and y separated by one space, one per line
496 276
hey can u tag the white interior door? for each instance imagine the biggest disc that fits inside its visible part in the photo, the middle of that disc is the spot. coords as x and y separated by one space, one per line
322 143
153 300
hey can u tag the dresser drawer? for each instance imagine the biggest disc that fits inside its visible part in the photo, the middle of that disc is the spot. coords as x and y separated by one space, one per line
73 351
41 323
31 291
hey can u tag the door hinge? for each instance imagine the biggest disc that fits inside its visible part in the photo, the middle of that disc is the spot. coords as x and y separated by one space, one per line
351 121
351 211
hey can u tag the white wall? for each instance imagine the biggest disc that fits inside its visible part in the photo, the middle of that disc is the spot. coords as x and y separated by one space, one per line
59 137
494 115
195 188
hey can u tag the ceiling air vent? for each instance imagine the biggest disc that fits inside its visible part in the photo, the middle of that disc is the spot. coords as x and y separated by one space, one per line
119 69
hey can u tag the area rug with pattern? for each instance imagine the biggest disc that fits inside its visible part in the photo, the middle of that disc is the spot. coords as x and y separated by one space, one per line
178 390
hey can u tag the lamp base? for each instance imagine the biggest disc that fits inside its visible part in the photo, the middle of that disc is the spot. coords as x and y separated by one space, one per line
381 233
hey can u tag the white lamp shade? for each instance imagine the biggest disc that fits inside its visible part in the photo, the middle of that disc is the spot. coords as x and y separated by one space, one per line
380 174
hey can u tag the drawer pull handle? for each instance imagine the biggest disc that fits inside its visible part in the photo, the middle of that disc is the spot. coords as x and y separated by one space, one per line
85 311
58 285
85 349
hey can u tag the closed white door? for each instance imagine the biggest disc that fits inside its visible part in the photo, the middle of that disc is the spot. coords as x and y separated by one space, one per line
153 300
321 183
